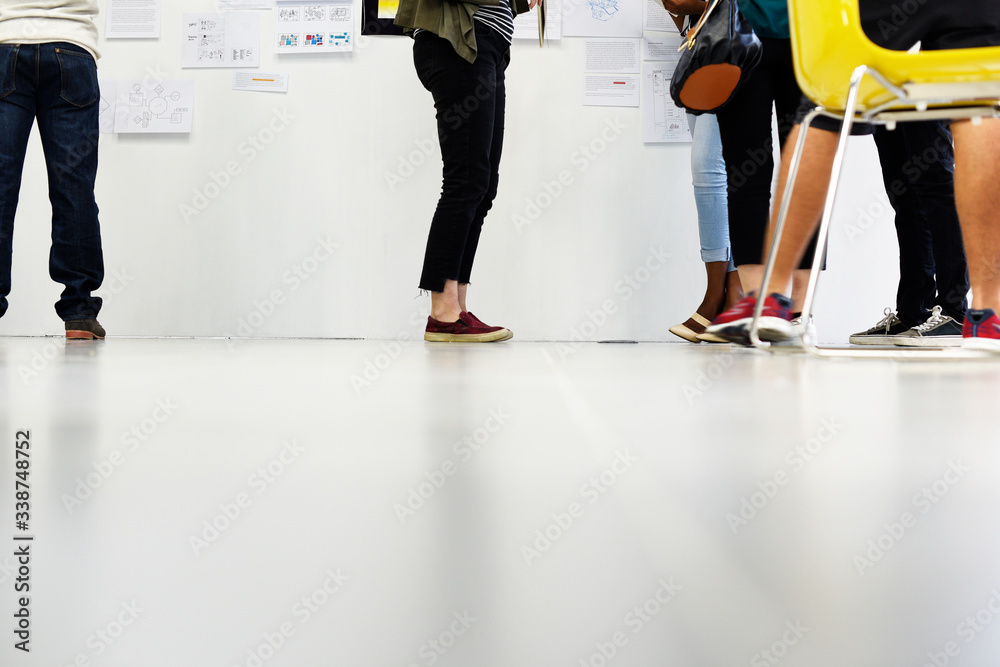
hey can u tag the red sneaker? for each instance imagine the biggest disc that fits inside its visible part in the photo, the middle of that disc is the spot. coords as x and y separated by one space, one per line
981 330
775 321
464 330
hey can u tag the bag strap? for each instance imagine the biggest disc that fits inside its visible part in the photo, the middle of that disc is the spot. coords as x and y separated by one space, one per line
693 32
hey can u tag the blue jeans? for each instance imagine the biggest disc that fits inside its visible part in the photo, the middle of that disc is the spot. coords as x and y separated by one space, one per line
708 175
470 100
55 83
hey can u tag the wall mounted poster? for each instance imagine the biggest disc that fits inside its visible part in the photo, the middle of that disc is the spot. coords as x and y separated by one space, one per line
312 27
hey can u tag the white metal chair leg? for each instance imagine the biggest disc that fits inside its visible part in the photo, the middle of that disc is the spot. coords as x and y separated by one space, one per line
823 235
824 228
779 226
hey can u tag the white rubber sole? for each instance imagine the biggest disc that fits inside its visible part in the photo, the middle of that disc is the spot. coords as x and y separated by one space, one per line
982 344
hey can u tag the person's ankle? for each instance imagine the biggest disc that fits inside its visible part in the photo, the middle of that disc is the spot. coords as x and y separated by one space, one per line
446 315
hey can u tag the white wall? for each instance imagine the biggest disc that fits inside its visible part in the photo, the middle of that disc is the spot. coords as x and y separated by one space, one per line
354 119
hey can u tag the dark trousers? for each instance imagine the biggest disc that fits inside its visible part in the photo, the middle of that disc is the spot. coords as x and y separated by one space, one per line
55 84
469 99
918 167
747 147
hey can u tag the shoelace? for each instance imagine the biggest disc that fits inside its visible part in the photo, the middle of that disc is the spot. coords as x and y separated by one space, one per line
887 321
934 320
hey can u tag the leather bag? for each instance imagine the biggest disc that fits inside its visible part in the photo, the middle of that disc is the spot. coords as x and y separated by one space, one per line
720 51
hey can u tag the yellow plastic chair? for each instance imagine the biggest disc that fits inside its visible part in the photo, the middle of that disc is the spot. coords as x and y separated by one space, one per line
851 78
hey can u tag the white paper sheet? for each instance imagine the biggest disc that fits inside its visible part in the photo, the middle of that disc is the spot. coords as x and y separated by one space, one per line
656 17
661 47
147 106
611 56
131 19
313 27
526 25
602 18
221 40
611 90
265 82
662 120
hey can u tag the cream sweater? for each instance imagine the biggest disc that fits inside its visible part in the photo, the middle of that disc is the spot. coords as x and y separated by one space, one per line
41 21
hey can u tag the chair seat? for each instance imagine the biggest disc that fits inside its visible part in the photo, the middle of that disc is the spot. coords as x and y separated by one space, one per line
828 43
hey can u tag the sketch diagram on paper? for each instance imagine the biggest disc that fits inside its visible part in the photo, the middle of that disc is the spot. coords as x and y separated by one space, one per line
154 106
212 39
318 28
143 110
662 120
603 10
315 12
221 40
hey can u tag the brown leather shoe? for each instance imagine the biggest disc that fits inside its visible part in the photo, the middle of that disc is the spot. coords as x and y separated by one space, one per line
464 330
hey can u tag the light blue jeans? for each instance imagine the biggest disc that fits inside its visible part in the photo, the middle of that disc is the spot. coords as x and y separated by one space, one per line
708 175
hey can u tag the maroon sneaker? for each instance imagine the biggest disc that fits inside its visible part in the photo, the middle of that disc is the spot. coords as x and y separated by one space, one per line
464 330
981 330
479 323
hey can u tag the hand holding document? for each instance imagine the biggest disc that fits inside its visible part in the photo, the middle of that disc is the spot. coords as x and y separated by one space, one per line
541 19
544 25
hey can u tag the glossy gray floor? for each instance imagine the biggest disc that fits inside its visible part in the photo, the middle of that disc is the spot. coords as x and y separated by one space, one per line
358 503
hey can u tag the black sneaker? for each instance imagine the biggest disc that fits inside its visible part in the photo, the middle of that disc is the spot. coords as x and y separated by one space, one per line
87 329
883 333
939 330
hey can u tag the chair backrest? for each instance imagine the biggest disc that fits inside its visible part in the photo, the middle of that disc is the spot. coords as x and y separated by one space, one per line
828 44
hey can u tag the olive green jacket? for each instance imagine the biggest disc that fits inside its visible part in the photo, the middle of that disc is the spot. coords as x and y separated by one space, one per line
450 19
